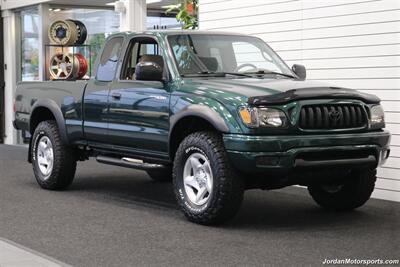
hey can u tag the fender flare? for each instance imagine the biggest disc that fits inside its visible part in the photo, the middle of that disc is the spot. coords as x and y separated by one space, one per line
56 111
203 112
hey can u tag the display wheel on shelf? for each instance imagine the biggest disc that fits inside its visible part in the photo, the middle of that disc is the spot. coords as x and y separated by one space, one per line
83 66
82 32
64 66
63 32
67 32
65 53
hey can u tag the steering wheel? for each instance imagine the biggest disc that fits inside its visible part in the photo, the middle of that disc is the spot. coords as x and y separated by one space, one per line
245 65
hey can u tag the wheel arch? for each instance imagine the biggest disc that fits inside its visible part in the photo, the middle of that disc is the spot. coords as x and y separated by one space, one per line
47 109
192 119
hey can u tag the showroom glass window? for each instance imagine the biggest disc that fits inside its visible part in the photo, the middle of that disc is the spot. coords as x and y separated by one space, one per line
30 45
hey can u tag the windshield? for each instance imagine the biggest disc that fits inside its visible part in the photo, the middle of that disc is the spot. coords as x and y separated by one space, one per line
206 53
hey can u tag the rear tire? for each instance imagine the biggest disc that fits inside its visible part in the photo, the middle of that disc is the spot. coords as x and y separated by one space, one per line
164 175
206 186
351 194
54 163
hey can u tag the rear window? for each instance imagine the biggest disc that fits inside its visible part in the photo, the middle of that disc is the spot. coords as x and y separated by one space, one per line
109 59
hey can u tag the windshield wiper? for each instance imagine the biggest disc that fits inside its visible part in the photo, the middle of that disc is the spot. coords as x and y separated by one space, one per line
215 74
203 74
237 74
261 72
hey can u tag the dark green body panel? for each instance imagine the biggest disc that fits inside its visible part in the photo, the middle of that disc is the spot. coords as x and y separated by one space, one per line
66 97
141 120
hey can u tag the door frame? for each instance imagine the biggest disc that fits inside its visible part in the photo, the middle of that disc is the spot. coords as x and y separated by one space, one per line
2 83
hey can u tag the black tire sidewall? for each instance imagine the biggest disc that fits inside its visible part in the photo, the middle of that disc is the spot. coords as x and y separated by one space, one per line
355 191
164 175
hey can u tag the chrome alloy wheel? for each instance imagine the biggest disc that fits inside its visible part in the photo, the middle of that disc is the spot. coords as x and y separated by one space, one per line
198 179
45 156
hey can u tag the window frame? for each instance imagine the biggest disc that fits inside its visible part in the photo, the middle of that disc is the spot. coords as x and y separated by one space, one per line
128 47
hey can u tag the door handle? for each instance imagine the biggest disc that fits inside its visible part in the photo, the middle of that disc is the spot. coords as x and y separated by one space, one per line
116 96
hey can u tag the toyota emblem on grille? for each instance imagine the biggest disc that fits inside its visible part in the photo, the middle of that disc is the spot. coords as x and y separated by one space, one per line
335 115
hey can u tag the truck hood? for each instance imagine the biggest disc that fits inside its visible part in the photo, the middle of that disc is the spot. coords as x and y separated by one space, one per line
258 91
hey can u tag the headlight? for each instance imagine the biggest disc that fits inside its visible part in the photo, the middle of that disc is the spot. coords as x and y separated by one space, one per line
263 117
377 117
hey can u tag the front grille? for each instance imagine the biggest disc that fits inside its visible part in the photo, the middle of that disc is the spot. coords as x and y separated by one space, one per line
327 117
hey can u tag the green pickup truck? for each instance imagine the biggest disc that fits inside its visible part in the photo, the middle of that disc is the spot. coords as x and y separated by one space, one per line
217 113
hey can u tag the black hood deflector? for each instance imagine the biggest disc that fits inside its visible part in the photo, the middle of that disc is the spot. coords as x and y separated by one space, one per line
313 93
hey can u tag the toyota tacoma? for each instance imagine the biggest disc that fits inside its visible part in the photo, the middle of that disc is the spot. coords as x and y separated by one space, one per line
217 113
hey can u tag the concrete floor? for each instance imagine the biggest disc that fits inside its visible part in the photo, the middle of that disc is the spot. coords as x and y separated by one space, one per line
118 217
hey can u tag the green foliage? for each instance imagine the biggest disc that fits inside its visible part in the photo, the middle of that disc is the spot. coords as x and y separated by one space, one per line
184 16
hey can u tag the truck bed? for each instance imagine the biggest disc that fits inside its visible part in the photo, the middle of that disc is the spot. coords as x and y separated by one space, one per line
67 95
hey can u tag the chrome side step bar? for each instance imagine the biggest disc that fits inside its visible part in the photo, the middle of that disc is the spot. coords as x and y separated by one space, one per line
129 163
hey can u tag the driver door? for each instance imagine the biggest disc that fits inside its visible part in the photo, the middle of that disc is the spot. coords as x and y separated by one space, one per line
139 110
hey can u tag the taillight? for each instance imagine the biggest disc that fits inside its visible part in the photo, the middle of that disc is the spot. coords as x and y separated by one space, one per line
14 106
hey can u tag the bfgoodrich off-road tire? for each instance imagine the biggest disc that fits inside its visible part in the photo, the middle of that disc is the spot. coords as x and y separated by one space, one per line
351 194
206 186
54 163
163 175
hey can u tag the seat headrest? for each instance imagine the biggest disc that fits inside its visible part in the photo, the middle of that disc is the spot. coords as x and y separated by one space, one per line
210 62
153 58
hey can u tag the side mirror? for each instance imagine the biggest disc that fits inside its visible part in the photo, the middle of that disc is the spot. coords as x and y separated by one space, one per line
148 71
300 71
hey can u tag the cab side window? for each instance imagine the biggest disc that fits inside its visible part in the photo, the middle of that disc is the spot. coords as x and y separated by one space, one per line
140 49
109 60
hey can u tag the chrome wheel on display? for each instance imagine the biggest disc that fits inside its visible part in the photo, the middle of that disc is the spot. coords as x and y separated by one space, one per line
45 156
198 179
62 66
67 66
63 32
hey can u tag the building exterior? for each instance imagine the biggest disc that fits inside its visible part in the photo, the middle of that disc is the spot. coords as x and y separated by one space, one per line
351 43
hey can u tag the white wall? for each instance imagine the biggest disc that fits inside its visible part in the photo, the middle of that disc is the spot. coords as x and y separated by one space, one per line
352 43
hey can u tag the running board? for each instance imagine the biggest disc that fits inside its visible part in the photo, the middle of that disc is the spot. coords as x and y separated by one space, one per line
129 163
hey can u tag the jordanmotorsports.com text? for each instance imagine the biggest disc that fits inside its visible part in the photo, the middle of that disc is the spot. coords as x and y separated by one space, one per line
360 261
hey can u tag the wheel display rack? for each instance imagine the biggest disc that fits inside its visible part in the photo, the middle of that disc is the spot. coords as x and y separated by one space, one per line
68 62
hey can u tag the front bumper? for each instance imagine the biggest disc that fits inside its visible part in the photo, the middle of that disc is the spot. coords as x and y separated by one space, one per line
260 154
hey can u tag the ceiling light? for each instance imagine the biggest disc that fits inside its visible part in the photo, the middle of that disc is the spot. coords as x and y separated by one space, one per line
110 4
152 1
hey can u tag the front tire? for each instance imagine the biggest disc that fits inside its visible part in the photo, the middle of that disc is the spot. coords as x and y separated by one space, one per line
206 187
350 194
54 164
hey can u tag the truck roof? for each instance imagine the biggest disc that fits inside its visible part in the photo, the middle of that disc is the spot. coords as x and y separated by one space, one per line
174 32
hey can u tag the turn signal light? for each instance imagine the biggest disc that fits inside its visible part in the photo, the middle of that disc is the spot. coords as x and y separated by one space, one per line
245 115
